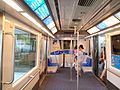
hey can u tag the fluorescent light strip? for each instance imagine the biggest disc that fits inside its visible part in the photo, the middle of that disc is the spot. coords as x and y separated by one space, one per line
14 5
104 31
93 30
36 23
111 21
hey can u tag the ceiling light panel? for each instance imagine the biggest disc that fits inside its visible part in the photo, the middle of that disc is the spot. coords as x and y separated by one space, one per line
111 21
39 7
102 26
93 30
49 22
54 30
108 22
34 4
118 15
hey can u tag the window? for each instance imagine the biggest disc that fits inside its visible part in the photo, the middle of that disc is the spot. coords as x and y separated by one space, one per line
25 52
115 50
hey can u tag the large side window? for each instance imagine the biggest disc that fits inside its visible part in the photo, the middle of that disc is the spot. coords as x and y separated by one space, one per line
25 52
115 51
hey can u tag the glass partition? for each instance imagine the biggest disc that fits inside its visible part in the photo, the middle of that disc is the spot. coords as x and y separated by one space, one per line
25 53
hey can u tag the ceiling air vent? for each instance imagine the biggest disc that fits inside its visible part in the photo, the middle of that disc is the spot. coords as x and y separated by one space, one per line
86 2
76 20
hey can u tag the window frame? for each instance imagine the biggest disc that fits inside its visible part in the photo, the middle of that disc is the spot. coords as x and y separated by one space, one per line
109 53
36 59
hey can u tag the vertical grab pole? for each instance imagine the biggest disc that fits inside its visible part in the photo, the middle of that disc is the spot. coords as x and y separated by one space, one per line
77 60
71 60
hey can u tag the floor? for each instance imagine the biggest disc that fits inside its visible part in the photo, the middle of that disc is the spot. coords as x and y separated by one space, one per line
61 81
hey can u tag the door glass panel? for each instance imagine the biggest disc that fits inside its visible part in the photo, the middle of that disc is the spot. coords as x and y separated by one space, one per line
101 53
25 53
95 55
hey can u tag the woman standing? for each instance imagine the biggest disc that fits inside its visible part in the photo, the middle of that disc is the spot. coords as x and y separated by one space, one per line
80 58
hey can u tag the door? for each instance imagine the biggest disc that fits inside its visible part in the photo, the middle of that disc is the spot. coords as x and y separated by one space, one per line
95 55
66 57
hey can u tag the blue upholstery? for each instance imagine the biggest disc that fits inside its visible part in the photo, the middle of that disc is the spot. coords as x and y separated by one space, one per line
88 62
50 63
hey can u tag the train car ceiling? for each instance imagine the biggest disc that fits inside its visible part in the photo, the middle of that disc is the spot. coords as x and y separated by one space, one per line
61 16
81 13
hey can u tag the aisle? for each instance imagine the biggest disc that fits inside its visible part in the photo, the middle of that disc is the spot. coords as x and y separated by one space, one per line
61 81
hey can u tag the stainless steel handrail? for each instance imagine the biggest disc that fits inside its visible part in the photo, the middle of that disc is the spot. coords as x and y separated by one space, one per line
31 78
11 81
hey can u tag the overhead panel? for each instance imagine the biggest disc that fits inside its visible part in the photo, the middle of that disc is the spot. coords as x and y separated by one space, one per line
41 10
93 30
102 26
49 22
86 2
108 22
54 30
39 7
34 4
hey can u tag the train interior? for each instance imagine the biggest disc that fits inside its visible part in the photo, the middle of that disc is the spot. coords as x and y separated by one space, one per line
40 43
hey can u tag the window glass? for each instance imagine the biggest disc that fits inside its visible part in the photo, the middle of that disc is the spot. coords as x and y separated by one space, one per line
115 50
25 53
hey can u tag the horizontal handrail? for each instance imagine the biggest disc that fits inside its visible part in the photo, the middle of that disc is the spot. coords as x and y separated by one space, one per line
31 78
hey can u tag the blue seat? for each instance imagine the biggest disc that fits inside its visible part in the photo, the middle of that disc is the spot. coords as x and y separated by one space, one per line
50 62
88 62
